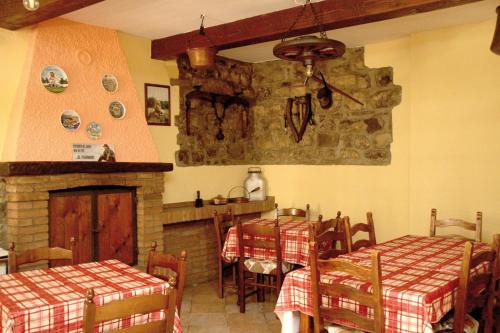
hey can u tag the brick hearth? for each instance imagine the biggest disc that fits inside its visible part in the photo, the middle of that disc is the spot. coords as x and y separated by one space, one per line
25 219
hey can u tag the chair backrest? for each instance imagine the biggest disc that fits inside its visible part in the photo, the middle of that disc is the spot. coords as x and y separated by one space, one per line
330 236
475 290
453 222
34 255
144 304
367 227
372 299
292 212
259 238
222 223
162 261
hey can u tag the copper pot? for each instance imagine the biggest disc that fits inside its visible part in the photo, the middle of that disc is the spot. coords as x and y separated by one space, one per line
202 57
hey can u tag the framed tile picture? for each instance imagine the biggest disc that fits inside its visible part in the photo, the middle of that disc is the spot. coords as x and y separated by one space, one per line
157 99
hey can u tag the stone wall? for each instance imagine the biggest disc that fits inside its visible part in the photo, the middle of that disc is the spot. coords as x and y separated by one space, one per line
345 133
201 147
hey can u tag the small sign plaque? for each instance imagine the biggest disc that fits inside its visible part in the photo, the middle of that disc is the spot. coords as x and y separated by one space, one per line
93 153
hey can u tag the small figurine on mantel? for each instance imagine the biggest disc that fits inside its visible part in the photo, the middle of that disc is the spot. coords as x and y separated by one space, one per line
198 202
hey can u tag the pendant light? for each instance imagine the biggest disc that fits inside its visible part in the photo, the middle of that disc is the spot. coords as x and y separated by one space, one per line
309 49
495 44
203 56
31 5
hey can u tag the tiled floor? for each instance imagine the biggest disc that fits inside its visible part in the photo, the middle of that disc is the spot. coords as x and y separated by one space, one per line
203 311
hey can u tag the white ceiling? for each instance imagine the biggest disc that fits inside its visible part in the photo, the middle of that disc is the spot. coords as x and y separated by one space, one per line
161 18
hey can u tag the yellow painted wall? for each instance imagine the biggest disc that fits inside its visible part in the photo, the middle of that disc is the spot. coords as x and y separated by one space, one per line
14 57
445 153
455 126
446 132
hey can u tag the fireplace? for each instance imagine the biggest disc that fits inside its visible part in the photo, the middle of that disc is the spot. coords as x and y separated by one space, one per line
26 188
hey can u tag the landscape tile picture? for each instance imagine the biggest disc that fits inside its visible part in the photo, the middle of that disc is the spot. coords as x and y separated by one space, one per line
157 104
70 120
110 83
54 79
116 109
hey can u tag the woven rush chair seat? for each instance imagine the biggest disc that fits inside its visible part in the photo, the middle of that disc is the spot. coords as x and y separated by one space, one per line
266 266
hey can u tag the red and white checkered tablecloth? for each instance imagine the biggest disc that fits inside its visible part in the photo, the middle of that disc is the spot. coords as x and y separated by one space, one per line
294 243
51 300
419 280
430 253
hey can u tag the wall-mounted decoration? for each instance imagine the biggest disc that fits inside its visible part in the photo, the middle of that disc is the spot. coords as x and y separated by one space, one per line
70 120
157 104
217 102
93 152
94 130
297 120
116 109
110 83
54 79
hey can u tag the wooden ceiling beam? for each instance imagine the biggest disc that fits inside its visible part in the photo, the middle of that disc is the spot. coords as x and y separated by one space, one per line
14 16
333 14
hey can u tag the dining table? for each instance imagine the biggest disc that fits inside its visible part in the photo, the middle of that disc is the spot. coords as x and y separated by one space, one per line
52 299
294 237
419 283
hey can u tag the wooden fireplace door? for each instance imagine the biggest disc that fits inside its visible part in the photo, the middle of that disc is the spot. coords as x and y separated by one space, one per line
101 220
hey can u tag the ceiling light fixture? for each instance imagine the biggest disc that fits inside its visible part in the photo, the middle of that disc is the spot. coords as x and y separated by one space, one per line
31 5
202 56
309 49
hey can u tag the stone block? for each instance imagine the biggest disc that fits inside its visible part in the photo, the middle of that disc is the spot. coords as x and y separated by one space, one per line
19 197
17 188
27 179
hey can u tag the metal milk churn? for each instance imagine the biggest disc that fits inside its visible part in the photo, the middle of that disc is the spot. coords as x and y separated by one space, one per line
255 184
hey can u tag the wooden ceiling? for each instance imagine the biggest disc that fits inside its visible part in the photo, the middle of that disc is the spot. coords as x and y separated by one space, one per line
14 16
333 14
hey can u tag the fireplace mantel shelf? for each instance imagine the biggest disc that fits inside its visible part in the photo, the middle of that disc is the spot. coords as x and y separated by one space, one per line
9 169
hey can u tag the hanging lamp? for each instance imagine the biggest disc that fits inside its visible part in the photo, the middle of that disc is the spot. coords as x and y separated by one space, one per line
202 57
495 44
309 49
31 5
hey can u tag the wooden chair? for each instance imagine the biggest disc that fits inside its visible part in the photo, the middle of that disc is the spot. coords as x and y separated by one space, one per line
496 311
159 263
452 222
222 223
292 212
330 236
34 255
260 238
319 289
475 290
144 304
360 227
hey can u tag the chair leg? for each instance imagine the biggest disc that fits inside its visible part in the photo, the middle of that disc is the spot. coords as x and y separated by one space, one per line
235 275
221 282
241 290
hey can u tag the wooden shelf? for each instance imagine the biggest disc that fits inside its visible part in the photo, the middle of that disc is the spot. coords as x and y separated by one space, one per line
8 169
186 212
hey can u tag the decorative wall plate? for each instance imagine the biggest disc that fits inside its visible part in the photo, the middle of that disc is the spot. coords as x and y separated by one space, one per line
70 120
54 79
116 109
94 130
110 83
